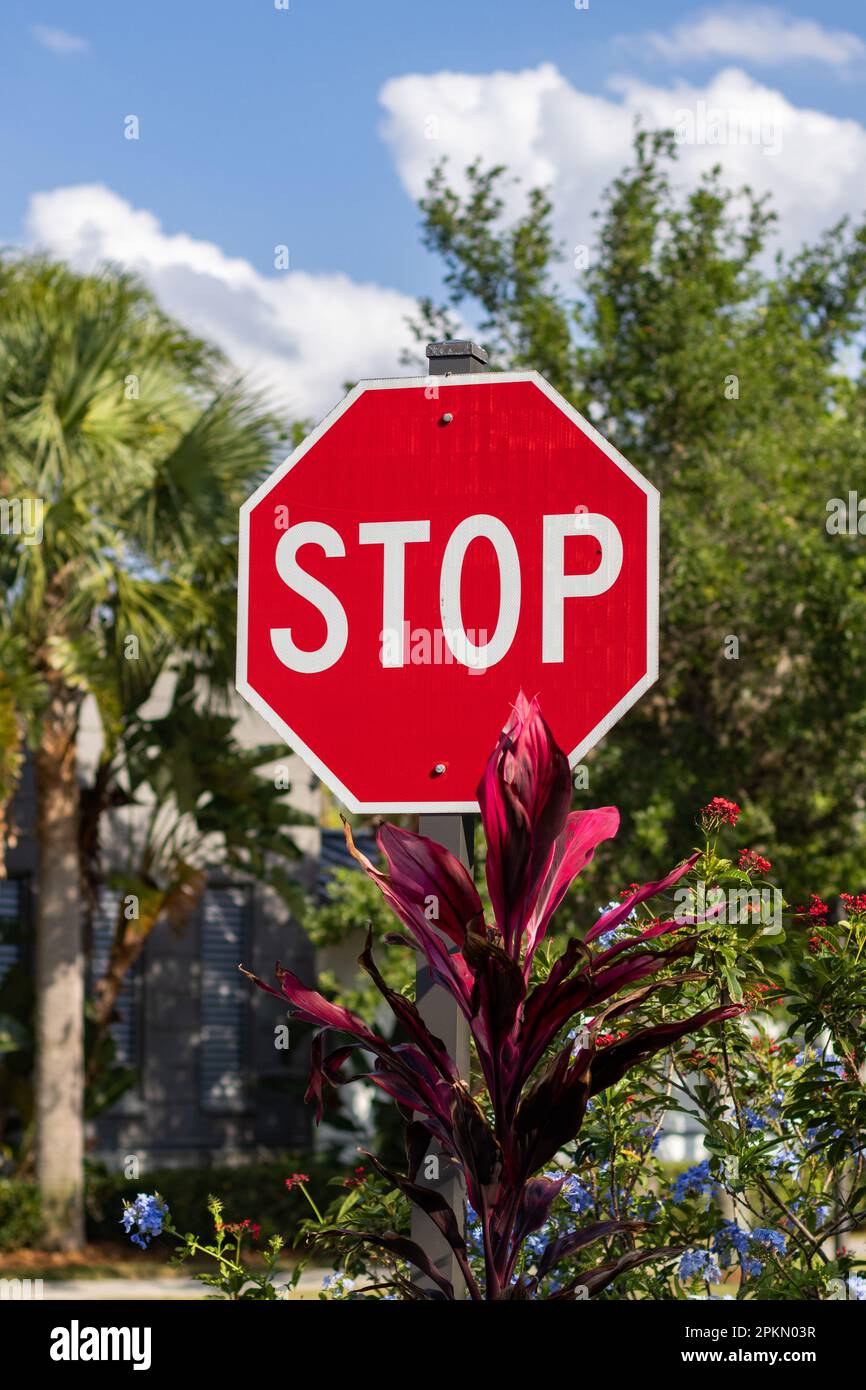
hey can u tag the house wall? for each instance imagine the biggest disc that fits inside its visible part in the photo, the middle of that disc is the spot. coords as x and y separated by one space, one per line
169 1118
185 977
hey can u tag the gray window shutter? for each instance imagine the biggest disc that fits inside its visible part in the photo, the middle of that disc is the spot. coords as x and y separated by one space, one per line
224 999
126 1030
11 907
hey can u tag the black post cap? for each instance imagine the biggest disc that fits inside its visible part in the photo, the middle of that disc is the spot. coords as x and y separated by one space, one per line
457 355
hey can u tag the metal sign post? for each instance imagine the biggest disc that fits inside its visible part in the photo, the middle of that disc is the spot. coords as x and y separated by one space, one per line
445 1021
436 1006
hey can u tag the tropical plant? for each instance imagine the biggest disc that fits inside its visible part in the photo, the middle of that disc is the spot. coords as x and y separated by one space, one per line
536 1022
132 448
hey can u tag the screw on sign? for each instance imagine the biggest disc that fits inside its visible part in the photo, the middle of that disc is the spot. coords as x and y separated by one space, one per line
434 546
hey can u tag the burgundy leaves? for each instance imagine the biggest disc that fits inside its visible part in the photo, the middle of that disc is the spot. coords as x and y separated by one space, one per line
407 1073
534 848
537 1077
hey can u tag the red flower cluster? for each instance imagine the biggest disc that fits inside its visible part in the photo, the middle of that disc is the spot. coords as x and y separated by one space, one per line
817 909
627 892
854 904
719 812
753 863
235 1228
296 1179
755 997
605 1039
701 1060
819 943
358 1180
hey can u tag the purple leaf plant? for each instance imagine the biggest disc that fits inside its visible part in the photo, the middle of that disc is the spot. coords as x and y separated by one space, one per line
533 1081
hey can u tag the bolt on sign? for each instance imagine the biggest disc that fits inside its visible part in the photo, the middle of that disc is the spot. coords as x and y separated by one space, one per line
434 546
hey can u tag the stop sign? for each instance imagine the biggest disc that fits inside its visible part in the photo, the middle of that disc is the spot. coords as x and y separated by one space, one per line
433 547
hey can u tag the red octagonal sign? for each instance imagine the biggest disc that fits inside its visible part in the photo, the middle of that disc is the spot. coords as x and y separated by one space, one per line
434 546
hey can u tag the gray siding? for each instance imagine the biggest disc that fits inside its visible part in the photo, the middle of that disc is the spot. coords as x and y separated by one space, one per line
213 1086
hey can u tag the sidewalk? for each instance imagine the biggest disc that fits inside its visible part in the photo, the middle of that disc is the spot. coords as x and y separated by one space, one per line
153 1290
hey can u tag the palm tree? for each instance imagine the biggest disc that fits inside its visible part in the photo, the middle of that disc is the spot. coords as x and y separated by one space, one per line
137 447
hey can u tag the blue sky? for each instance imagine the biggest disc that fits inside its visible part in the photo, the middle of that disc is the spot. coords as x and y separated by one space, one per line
309 128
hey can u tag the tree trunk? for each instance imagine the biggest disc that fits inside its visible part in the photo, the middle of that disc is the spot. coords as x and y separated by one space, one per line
59 1101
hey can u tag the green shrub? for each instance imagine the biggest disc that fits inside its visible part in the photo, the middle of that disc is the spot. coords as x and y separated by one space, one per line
253 1190
20 1214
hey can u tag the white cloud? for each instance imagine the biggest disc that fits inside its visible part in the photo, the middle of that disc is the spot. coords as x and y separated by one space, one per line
756 34
300 335
547 131
297 335
503 113
58 41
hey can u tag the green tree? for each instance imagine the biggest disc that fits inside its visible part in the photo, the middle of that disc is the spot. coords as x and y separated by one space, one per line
136 446
713 363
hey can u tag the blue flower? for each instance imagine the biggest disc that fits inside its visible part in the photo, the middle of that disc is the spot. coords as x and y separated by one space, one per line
857 1288
730 1237
338 1285
699 1264
537 1243
648 1131
694 1182
753 1119
783 1162
607 938
148 1213
473 1232
578 1197
774 1109
762 1235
